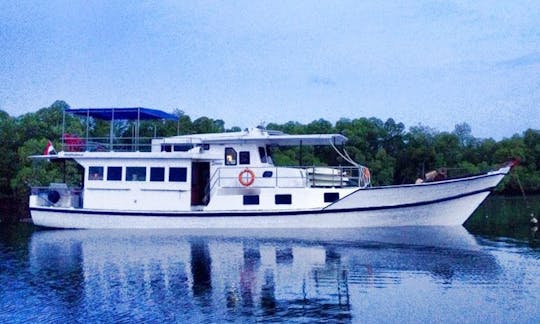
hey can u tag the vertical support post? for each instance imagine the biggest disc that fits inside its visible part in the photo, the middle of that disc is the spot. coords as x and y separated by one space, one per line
64 170
63 126
111 131
87 127
138 125
301 162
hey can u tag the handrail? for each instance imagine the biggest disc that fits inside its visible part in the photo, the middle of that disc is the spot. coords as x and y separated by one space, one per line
74 143
35 189
209 189
279 177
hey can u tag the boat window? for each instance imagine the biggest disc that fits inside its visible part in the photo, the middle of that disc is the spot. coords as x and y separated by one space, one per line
114 173
205 147
283 199
331 196
177 174
157 174
182 147
136 174
230 156
262 154
269 154
95 173
244 157
166 148
267 174
251 199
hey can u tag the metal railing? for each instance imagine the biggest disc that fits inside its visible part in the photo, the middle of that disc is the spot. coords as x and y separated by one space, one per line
290 177
74 143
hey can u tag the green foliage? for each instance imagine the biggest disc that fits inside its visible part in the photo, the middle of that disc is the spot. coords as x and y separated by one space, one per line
32 172
207 125
382 168
8 146
284 156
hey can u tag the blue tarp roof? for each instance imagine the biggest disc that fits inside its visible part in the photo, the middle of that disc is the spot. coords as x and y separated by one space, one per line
133 113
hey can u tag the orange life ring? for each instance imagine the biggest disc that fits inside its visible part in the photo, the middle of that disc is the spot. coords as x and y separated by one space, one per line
246 177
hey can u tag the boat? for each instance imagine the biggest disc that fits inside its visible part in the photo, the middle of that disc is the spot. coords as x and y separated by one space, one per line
229 181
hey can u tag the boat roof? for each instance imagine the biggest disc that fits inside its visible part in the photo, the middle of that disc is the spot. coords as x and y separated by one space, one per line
131 113
257 135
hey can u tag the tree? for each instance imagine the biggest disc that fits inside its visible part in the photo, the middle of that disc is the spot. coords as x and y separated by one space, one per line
8 151
464 133
419 155
320 126
447 150
207 125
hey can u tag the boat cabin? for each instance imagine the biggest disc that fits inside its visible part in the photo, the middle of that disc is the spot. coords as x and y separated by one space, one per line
210 172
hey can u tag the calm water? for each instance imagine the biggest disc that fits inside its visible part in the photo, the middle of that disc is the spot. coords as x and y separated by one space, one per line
371 275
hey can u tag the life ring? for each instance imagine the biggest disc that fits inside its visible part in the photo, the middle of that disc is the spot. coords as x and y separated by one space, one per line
246 177
53 196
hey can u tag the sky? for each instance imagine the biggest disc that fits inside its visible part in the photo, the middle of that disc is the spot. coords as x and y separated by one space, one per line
431 63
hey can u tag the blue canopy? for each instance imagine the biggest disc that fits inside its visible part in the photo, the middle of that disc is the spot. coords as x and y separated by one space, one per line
134 113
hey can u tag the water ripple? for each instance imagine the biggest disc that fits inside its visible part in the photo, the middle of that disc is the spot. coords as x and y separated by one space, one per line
126 277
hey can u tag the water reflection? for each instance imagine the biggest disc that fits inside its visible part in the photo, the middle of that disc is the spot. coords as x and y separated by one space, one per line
201 269
239 276
507 217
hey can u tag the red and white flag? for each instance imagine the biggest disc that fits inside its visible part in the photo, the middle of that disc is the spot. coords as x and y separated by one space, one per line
49 149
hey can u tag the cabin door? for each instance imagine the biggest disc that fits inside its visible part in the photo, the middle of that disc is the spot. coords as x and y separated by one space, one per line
200 177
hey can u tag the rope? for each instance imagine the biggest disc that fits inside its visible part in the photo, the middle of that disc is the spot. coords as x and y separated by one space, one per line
361 174
533 220
346 158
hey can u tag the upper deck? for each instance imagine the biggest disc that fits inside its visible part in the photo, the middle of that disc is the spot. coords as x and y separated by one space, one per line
135 143
114 141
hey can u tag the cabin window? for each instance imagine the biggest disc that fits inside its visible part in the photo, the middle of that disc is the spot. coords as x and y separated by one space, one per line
157 174
244 157
268 150
267 174
251 199
283 199
331 196
262 154
182 147
114 173
178 174
230 156
95 173
136 174
166 148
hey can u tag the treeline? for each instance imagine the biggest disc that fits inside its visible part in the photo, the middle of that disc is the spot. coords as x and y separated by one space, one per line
396 155
393 153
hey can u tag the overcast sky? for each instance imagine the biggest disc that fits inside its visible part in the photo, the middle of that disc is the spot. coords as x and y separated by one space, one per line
437 63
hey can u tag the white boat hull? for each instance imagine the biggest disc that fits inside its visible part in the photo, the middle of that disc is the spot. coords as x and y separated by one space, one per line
448 213
445 203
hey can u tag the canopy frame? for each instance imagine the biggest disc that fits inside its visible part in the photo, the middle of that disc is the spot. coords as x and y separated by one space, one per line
112 114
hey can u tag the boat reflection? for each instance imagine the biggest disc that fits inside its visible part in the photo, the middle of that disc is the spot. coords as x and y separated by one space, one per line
258 275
